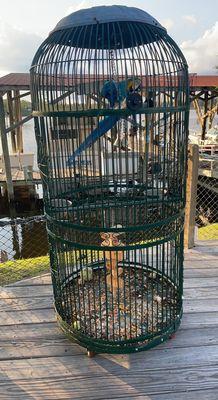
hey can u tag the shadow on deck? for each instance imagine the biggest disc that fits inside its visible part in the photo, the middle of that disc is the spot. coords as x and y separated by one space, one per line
38 362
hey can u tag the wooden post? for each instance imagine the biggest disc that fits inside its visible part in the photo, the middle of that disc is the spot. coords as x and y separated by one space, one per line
212 113
18 117
11 119
5 152
198 111
204 124
191 195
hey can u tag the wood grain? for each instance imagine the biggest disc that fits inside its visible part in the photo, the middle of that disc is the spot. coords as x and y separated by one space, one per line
26 303
48 341
25 291
102 379
27 317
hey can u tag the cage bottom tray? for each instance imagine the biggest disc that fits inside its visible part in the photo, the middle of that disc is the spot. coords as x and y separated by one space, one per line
145 311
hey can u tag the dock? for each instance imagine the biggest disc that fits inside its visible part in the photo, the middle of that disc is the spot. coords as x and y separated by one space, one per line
39 362
18 177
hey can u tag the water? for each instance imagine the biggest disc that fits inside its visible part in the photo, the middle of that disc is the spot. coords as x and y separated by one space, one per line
22 238
30 142
30 146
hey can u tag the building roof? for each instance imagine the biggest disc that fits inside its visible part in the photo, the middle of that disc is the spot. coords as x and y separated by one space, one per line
200 81
21 81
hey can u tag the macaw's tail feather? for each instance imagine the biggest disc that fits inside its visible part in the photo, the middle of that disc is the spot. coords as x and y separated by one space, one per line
103 127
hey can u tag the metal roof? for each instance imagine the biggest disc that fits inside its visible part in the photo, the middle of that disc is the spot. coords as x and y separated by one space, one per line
203 80
106 14
21 81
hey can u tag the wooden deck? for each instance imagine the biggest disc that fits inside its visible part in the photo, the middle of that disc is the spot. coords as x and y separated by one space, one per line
38 362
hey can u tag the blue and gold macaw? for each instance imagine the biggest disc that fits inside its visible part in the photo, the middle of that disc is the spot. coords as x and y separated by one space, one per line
115 93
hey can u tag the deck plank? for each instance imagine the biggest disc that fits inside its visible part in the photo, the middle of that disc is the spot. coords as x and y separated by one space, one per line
38 361
44 279
111 386
101 378
207 263
30 303
201 282
43 341
25 291
211 394
79 364
26 303
201 272
199 320
210 292
26 317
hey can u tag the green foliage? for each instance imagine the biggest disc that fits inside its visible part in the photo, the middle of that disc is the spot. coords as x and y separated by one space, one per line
209 232
26 107
15 270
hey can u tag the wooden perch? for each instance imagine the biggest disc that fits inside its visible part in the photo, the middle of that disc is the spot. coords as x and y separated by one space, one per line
114 279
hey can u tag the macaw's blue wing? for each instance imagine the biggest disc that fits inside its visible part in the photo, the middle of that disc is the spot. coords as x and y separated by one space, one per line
103 127
109 92
114 92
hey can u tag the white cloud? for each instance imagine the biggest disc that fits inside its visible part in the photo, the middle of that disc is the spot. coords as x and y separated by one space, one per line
190 19
82 4
17 48
167 23
3 72
202 53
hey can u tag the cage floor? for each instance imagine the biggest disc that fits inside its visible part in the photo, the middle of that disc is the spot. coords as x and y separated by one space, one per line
145 305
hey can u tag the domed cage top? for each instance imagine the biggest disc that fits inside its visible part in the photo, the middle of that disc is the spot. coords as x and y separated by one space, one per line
110 101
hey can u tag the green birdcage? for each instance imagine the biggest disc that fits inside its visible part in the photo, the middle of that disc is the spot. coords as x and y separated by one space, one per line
110 101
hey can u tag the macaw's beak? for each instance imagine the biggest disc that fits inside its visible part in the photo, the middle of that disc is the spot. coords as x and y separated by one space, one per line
133 84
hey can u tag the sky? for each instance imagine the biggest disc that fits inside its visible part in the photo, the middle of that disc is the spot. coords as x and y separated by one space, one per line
24 24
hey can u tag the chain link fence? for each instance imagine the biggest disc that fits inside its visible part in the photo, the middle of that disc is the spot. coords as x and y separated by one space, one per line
23 248
207 208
